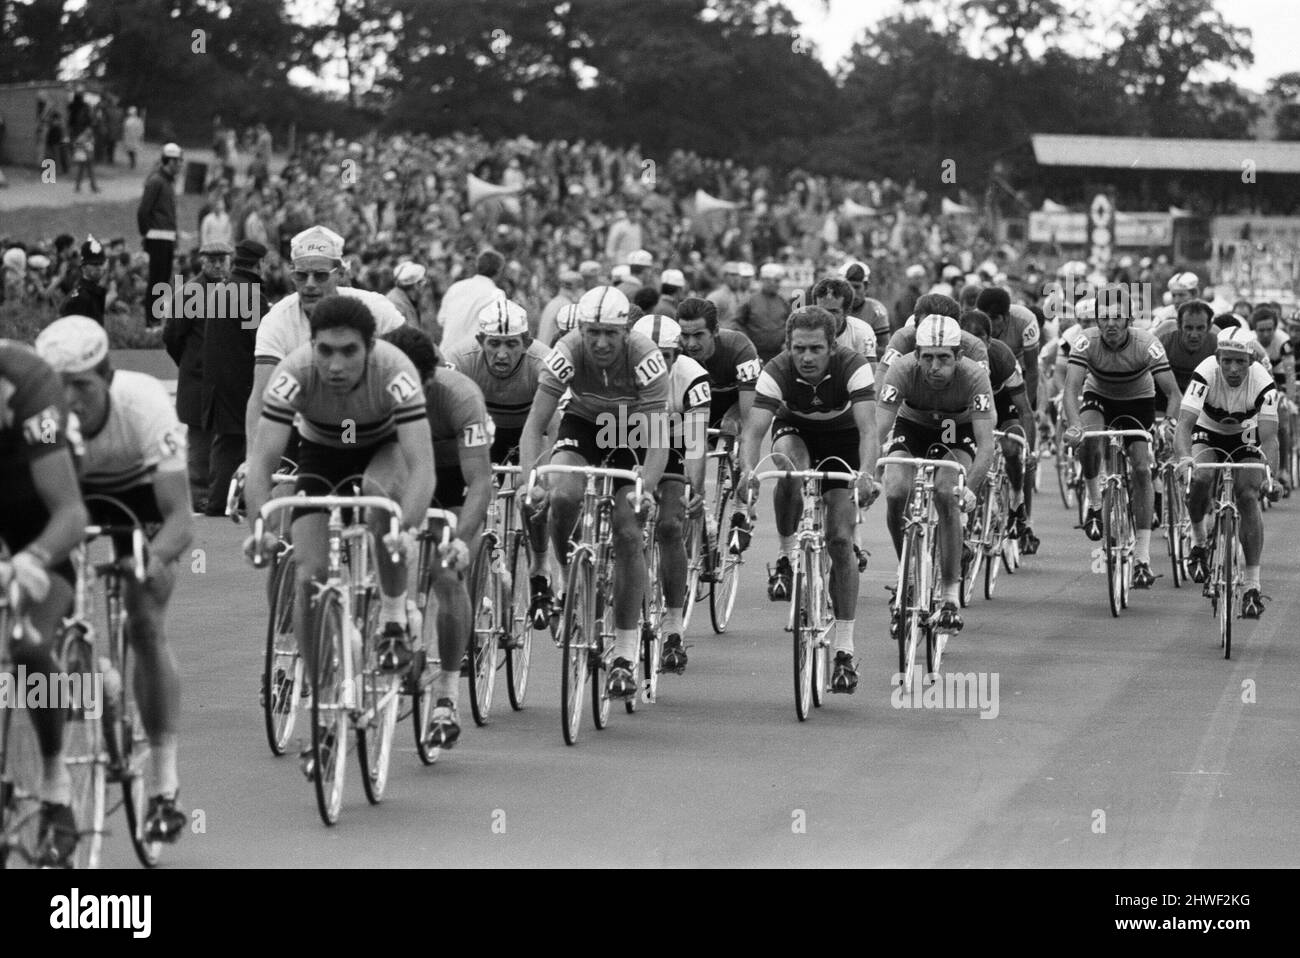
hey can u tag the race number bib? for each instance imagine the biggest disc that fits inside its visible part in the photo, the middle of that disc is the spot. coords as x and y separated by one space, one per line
1196 391
285 388
559 365
698 395
650 369
748 370
983 402
403 388
1030 336
1271 398
889 395
890 355
475 434
1156 352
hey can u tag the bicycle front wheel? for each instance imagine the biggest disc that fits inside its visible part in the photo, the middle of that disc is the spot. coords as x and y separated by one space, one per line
380 698
973 546
86 761
696 556
20 779
802 617
1110 543
823 619
519 655
578 631
1173 508
909 613
486 603
1226 578
329 711
994 536
282 671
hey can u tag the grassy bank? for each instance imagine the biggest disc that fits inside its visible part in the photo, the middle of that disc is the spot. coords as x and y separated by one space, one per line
23 323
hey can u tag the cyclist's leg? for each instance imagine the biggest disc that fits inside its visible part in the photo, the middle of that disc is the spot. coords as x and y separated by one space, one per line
1247 487
310 551
455 619
1200 488
788 452
670 531
1284 440
1014 463
1139 414
1092 416
575 445
629 586
907 439
951 518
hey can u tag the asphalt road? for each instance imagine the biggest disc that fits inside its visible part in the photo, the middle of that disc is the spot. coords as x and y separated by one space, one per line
1116 743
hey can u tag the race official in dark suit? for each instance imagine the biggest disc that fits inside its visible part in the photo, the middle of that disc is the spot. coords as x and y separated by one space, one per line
88 297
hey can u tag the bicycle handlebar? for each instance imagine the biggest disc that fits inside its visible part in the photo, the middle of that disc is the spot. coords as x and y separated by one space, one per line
138 566
999 434
924 463
805 474
1233 466
1117 434
591 472
381 503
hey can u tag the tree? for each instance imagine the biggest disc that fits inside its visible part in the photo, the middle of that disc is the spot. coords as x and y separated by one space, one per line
33 39
1009 23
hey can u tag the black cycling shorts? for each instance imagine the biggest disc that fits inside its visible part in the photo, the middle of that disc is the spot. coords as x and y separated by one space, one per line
450 490
579 436
321 469
1226 448
23 517
1121 413
916 439
832 444
505 446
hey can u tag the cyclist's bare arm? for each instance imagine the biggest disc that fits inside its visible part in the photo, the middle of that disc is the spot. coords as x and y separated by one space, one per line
864 417
1183 433
1026 414
656 460
416 442
172 491
1030 364
1174 396
253 414
263 457
476 467
55 479
885 416
696 426
1074 378
1268 432
751 438
745 404
530 440
984 444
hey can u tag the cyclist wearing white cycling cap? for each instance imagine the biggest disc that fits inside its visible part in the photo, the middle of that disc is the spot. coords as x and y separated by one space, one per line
936 403
1183 287
1229 414
611 373
134 451
689 398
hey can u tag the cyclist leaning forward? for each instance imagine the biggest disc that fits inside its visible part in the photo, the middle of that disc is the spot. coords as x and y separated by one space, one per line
610 372
1229 411
936 396
820 401
1110 383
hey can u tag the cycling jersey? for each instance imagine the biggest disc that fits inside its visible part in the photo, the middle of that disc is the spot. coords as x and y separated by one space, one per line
1020 331
1225 410
1281 352
638 380
33 412
824 406
733 368
458 416
1004 371
1183 361
1124 373
284 327
876 316
140 437
967 397
903 343
859 337
387 396
508 398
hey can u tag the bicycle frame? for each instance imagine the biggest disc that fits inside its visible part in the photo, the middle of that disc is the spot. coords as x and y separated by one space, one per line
1117 502
1223 586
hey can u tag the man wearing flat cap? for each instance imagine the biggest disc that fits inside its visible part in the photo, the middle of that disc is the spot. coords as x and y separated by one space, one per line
409 281
228 375
183 336
88 298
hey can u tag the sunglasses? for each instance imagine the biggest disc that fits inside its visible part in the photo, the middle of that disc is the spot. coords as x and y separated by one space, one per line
319 275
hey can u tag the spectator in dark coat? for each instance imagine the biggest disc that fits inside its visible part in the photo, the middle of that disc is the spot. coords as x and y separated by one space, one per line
156 218
88 297
228 377
762 316
183 336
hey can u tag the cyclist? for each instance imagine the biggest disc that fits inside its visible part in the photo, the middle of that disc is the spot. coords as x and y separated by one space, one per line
1230 410
134 450
688 417
903 342
836 297
733 366
820 401
360 409
1113 373
1281 353
935 395
1183 288
40 524
317 257
607 369
871 311
461 432
1012 415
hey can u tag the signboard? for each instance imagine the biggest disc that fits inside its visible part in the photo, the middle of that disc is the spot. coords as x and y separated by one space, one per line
1256 229
1065 228
1144 229
1101 217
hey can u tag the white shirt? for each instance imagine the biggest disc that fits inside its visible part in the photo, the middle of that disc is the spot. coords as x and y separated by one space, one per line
141 436
461 304
284 327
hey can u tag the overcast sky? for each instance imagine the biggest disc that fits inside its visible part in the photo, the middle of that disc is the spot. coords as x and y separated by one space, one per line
1275 25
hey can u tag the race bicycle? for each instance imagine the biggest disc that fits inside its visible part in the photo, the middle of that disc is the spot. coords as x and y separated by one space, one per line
1118 536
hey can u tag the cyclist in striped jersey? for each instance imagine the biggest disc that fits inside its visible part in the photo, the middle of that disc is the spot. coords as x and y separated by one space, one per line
1111 381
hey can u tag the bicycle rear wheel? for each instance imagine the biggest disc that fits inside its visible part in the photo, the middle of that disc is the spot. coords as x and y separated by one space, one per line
329 714
651 632
127 743
86 759
1110 545
486 604
578 633
973 546
1173 508
282 670
519 655
1226 578
802 615
600 655
696 558
823 623
726 573
994 536
380 693
422 671
933 646
20 779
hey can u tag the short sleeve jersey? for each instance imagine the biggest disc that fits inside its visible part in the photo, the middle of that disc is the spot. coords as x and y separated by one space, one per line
508 398
638 380
903 343
1004 371
876 316
733 368
859 337
458 416
967 397
1279 350
823 406
284 327
33 412
140 437
1227 411
1124 373
387 396
1021 331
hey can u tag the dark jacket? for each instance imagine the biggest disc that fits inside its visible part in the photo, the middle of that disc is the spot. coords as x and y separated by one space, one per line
228 364
86 300
157 209
183 337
